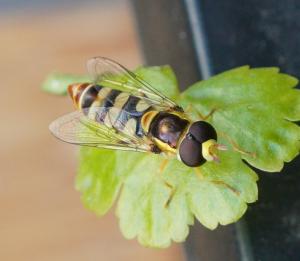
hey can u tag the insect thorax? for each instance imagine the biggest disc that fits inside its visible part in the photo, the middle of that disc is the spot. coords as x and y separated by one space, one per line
168 128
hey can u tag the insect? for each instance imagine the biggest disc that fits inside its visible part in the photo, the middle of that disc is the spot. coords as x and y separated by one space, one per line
119 110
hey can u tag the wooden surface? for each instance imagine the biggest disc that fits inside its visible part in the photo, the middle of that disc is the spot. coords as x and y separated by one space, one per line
41 216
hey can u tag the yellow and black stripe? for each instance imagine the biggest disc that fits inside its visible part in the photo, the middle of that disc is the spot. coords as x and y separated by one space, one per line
113 108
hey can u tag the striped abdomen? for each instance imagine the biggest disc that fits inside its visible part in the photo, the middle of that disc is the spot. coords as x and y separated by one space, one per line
109 106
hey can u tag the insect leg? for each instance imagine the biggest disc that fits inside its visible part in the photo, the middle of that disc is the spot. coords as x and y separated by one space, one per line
163 165
208 115
217 182
172 188
171 193
198 173
191 107
235 146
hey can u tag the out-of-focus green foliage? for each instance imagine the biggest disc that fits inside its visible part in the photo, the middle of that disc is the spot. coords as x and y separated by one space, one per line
57 83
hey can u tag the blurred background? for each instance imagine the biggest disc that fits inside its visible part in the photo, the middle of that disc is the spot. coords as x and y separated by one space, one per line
41 216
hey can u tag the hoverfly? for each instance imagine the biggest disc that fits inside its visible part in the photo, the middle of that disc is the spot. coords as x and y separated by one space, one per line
119 110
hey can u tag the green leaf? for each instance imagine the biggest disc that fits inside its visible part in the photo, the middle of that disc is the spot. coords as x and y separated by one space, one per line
97 179
142 205
218 195
57 83
157 205
254 107
222 195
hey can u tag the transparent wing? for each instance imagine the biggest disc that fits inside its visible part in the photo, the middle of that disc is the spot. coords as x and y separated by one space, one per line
88 128
112 74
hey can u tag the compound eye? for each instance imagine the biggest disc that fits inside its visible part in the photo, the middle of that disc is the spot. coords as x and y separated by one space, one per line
190 152
203 131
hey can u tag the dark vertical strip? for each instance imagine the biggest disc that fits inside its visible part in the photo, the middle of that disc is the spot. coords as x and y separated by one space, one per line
199 37
263 33
166 37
